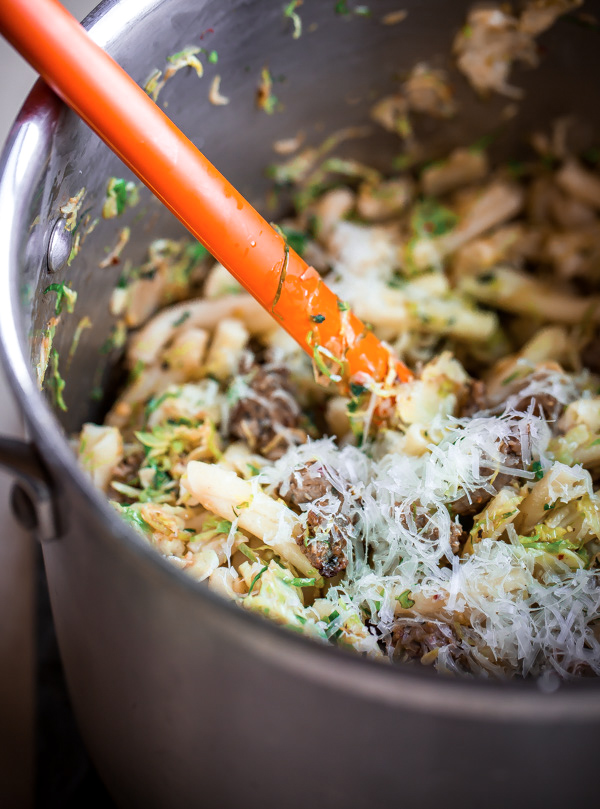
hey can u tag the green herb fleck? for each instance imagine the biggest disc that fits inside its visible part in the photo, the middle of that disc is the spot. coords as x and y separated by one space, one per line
299 582
256 578
56 381
248 552
405 600
343 306
213 57
290 11
430 218
510 378
317 318
283 273
265 98
536 468
156 401
63 293
181 319
84 323
357 390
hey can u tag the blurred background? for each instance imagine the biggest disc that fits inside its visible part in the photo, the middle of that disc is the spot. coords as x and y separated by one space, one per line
18 647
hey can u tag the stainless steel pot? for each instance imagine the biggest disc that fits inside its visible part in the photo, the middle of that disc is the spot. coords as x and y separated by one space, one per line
184 699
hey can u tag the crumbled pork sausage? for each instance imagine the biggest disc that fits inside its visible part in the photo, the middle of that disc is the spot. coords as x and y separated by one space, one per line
268 417
411 641
474 399
543 404
325 546
327 555
467 506
432 532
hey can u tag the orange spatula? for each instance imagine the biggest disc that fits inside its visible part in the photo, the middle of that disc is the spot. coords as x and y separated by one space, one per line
131 124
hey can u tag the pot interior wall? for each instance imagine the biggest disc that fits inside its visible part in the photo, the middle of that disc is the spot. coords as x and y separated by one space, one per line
325 80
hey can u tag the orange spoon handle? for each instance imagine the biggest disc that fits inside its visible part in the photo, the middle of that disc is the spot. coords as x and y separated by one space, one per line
131 124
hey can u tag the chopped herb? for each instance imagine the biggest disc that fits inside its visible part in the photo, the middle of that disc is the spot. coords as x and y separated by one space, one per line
63 293
181 319
595 443
510 378
508 514
317 318
135 519
343 306
405 600
299 582
536 467
430 218
96 394
256 578
283 273
486 278
119 194
265 99
357 390
84 323
248 552
548 506
156 401
290 11
56 381
213 57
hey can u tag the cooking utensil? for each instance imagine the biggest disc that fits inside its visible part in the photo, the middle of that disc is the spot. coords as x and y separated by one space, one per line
182 698
136 129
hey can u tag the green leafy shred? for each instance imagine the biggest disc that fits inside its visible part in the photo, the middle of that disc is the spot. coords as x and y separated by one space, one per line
248 552
56 382
84 323
64 294
536 468
256 578
120 194
181 319
265 98
290 11
282 275
430 219
156 401
301 582
357 390
406 602
134 518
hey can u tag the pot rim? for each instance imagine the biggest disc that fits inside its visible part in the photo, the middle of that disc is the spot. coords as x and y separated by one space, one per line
22 161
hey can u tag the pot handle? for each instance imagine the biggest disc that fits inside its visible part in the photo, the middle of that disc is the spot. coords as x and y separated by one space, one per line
31 498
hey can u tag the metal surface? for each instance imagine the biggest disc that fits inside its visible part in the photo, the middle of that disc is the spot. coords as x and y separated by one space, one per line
33 503
59 246
184 699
